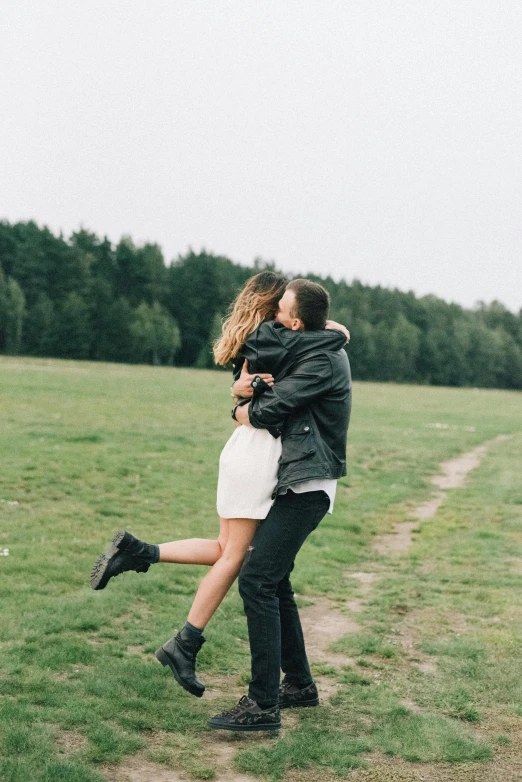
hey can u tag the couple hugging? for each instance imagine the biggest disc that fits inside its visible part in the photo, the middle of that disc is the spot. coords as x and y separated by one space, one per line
277 481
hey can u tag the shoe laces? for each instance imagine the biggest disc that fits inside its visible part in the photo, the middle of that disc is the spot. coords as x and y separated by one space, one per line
243 703
289 687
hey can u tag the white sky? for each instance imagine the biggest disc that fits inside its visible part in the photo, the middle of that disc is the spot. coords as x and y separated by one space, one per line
378 139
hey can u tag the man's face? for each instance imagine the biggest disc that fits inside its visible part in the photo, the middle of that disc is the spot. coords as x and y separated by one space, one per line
284 313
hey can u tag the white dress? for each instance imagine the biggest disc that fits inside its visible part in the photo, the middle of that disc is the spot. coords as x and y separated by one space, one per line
247 474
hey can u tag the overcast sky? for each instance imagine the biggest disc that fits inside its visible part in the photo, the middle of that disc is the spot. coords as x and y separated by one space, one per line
377 139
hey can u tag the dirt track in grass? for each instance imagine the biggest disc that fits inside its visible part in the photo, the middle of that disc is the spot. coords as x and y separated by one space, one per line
452 475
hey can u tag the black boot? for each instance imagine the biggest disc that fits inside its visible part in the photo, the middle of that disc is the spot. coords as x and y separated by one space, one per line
126 552
180 655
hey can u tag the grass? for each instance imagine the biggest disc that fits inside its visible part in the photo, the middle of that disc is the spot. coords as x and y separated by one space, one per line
90 448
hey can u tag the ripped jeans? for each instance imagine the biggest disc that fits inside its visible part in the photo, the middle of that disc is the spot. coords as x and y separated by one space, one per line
274 627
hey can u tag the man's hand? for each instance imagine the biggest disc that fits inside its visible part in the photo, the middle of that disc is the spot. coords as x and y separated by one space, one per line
243 386
331 324
242 415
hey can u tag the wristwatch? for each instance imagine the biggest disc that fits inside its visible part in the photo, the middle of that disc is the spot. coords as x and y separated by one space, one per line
233 412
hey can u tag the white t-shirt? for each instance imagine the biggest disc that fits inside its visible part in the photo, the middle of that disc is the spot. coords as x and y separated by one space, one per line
328 485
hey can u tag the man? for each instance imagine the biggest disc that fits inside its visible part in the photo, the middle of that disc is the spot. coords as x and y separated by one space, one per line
311 408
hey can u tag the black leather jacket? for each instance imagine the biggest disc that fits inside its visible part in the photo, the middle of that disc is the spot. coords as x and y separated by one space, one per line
310 403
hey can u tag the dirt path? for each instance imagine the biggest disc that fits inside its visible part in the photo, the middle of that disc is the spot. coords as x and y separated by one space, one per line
220 749
323 623
140 770
452 475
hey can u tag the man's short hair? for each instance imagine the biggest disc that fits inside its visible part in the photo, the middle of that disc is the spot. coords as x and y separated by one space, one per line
312 303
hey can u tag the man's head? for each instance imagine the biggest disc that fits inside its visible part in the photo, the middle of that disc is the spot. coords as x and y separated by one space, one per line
304 306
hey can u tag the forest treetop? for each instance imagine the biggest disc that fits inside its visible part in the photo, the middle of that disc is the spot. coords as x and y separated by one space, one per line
86 298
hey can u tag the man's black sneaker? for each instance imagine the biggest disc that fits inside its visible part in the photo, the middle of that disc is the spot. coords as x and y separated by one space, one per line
292 696
119 557
247 715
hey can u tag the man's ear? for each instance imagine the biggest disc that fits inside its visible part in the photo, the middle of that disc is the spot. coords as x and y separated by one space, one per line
297 325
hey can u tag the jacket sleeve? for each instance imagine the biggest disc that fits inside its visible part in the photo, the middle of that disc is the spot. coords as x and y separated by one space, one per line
271 345
319 339
307 382
264 350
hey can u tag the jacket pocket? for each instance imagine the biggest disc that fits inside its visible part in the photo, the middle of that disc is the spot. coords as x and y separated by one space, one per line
298 445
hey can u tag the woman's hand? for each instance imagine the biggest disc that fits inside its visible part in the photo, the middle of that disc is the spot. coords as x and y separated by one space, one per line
331 324
243 386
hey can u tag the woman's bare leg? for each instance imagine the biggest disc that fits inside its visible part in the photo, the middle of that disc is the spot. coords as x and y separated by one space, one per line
223 573
195 551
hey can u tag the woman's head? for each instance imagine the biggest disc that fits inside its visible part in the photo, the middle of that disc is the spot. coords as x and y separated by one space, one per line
256 303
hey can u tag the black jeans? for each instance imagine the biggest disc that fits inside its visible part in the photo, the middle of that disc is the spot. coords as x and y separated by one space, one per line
274 627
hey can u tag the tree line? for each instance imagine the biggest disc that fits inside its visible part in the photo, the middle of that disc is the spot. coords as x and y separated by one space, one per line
86 298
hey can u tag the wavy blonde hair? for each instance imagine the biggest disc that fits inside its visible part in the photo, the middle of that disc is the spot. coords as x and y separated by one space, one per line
255 304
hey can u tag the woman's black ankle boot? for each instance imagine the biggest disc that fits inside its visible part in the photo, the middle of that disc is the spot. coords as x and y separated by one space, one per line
125 552
180 655
133 546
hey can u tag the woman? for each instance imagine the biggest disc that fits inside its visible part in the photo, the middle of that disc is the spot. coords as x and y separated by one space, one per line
247 478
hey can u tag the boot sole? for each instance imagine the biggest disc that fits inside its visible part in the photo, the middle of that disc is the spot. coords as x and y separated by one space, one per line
99 577
165 660
302 704
243 728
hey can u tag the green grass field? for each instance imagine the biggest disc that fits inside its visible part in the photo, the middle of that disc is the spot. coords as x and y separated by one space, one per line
435 683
